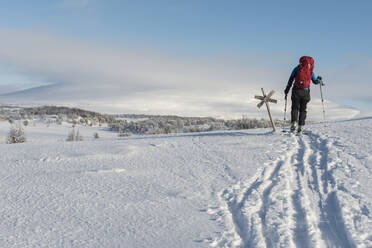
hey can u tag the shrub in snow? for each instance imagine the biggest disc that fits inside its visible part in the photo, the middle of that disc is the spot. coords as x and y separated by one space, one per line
96 135
124 134
74 136
16 135
167 129
25 123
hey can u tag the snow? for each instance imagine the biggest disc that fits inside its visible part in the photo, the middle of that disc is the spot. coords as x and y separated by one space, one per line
250 188
43 132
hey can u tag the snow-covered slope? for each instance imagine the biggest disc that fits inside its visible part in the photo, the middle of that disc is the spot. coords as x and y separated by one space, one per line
225 104
222 189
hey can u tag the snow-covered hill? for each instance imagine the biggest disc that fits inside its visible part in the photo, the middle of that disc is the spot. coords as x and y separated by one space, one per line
227 104
219 189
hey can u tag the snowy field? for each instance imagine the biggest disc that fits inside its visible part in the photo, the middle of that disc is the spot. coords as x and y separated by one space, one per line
250 188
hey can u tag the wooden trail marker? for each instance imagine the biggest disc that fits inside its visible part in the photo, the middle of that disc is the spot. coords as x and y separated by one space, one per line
265 99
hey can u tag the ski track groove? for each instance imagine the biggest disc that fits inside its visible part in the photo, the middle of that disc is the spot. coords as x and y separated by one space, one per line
266 202
291 202
249 227
301 230
331 223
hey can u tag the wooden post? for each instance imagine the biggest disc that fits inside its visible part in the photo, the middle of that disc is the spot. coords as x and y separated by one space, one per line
265 99
268 110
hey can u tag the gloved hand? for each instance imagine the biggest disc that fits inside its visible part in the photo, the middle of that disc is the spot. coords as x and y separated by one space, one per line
320 80
286 91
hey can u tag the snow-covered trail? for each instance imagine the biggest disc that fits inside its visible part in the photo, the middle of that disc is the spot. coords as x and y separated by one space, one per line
247 188
297 201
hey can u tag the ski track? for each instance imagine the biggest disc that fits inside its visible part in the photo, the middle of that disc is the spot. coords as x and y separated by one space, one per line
290 202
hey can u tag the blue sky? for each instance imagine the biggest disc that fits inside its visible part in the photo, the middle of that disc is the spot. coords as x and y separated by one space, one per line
275 33
326 29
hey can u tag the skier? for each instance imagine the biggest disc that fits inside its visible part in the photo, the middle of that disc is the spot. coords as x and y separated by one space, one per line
301 75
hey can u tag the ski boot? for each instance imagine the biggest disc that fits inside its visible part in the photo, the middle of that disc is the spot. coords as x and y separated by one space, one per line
300 129
293 126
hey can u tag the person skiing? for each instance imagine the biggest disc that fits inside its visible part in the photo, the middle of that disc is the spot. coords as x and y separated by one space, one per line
301 75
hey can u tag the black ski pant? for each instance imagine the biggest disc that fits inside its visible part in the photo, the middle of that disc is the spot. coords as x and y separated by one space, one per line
300 98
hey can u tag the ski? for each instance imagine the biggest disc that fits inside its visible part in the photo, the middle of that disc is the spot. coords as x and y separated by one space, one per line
303 133
296 133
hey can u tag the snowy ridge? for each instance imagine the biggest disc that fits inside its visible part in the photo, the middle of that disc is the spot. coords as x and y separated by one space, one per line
293 202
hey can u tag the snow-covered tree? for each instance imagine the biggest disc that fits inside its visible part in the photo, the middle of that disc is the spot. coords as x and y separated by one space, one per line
16 135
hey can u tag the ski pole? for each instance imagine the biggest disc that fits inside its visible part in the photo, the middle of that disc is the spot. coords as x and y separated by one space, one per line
285 112
321 95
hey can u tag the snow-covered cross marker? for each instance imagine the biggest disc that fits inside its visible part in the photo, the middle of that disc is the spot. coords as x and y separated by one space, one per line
266 99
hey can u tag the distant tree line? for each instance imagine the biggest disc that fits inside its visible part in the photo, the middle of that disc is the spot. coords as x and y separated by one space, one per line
54 114
175 124
127 124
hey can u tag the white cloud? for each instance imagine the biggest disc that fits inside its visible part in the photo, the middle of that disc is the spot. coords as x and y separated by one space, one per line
352 81
139 81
